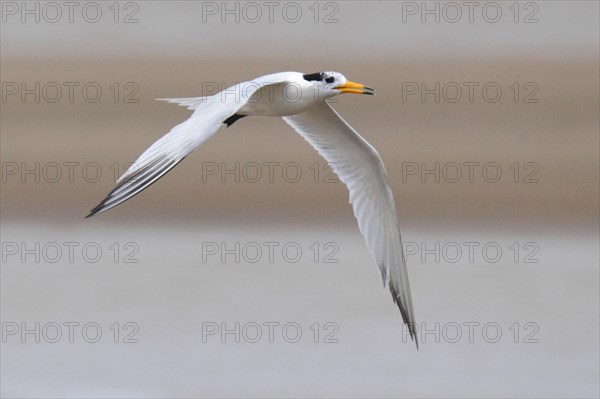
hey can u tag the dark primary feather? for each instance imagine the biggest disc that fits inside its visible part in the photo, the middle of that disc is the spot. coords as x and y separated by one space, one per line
135 183
405 317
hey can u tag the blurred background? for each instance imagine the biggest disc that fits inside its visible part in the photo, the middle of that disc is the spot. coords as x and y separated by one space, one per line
486 117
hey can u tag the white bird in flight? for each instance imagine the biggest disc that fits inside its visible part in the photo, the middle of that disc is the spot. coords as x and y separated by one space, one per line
300 99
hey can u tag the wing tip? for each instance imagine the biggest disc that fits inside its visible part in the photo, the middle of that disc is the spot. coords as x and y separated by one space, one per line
405 316
98 208
93 212
134 182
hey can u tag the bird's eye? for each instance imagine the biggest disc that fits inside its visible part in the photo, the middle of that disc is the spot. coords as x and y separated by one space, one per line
329 79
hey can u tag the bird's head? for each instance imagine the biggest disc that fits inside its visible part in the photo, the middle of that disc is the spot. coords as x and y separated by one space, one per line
332 83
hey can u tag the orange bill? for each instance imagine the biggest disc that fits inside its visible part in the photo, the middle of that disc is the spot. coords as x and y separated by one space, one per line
356 88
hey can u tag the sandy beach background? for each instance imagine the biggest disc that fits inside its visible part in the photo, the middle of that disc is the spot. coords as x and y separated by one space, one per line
242 272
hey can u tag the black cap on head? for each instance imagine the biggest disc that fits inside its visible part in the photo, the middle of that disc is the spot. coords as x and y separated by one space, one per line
311 77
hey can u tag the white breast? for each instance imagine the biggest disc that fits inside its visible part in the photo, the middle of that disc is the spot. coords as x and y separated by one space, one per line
282 99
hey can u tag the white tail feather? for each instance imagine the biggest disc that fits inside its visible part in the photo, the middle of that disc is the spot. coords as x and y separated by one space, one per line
189 102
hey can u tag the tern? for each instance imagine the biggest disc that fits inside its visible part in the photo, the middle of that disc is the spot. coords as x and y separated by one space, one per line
301 100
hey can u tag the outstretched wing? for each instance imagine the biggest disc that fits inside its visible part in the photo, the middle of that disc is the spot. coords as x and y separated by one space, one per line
359 166
169 150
